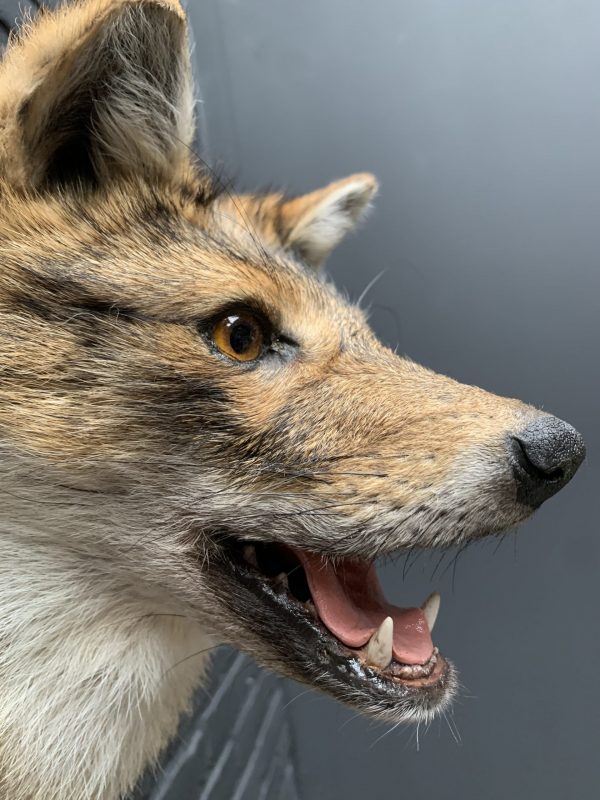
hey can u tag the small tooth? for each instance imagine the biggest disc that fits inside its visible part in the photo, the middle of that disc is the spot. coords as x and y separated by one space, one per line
249 553
430 608
379 649
281 581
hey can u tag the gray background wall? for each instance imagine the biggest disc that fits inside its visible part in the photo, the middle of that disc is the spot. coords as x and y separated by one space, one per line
482 120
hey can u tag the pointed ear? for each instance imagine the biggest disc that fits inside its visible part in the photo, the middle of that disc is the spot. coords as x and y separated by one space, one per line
312 225
98 89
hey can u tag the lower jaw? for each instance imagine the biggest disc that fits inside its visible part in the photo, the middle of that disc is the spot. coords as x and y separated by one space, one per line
400 692
378 693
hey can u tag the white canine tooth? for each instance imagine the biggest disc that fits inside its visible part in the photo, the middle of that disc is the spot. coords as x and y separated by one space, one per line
379 649
430 608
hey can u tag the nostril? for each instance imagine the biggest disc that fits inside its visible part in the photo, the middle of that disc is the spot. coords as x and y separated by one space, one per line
528 464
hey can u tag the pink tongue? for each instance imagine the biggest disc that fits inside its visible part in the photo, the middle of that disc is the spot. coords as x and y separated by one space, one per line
351 604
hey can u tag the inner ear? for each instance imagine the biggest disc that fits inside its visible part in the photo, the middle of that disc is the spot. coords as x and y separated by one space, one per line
97 90
77 156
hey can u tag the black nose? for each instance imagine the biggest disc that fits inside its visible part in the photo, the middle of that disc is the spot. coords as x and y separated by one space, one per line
545 456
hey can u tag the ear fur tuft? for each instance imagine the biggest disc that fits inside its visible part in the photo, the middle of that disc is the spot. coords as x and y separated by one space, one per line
315 223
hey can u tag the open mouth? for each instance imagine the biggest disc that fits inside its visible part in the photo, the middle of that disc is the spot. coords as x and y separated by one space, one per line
364 649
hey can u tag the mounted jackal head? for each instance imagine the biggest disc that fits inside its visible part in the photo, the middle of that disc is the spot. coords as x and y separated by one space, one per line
195 426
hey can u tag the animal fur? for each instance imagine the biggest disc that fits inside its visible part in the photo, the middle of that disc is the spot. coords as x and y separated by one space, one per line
127 445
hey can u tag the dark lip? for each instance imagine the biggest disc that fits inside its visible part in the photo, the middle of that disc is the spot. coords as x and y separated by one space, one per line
318 652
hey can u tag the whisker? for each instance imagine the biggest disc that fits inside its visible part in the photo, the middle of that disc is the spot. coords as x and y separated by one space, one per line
225 188
414 554
439 563
188 658
369 286
318 510
386 733
297 697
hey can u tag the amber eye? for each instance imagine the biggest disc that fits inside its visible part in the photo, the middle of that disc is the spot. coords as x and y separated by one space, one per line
239 336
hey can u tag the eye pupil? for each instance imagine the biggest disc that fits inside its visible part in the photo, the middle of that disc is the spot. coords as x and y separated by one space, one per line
241 336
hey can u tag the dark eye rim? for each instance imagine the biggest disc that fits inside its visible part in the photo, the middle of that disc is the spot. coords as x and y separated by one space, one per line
274 342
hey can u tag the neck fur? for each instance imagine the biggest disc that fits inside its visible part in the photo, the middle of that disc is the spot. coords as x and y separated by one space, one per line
93 674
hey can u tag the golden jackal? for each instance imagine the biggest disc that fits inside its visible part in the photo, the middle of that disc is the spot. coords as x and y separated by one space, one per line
201 441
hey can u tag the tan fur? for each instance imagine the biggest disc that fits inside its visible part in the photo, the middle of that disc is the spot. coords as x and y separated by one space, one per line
127 444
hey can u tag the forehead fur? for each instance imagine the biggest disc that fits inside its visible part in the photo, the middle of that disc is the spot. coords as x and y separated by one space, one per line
135 248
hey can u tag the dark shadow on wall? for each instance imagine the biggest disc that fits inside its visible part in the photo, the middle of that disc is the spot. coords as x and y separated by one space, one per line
235 745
